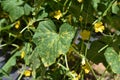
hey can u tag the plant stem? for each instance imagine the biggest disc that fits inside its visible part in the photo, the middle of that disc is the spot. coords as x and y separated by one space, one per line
2 45
63 66
109 6
91 69
65 4
22 73
105 12
88 62
103 48
23 29
65 11
66 62
80 55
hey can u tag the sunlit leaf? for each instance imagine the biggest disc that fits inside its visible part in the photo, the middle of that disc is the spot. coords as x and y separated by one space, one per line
115 8
113 59
51 44
14 8
11 62
27 9
95 3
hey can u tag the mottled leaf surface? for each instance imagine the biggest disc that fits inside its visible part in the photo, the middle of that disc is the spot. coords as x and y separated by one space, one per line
113 59
51 44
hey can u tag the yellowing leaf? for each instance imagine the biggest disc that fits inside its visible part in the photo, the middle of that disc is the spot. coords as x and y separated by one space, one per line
51 44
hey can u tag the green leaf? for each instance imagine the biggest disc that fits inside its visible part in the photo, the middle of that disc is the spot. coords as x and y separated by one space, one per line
51 44
11 62
37 64
115 8
34 59
27 9
95 4
113 59
93 53
42 15
27 49
14 8
3 25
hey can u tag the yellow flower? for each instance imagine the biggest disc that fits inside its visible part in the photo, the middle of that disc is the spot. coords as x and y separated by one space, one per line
85 34
17 25
75 75
27 73
86 68
83 61
69 18
22 54
99 27
76 78
57 14
80 18
80 1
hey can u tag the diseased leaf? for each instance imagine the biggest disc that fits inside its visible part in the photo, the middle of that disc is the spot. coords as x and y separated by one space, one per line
51 44
113 59
34 59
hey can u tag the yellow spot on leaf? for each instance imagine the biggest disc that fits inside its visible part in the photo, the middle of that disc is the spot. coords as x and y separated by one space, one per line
17 25
57 14
99 27
27 73
85 34
22 54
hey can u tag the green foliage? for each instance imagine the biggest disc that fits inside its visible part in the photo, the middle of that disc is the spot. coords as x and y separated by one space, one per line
94 53
44 37
11 62
51 44
112 58
15 9
115 8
